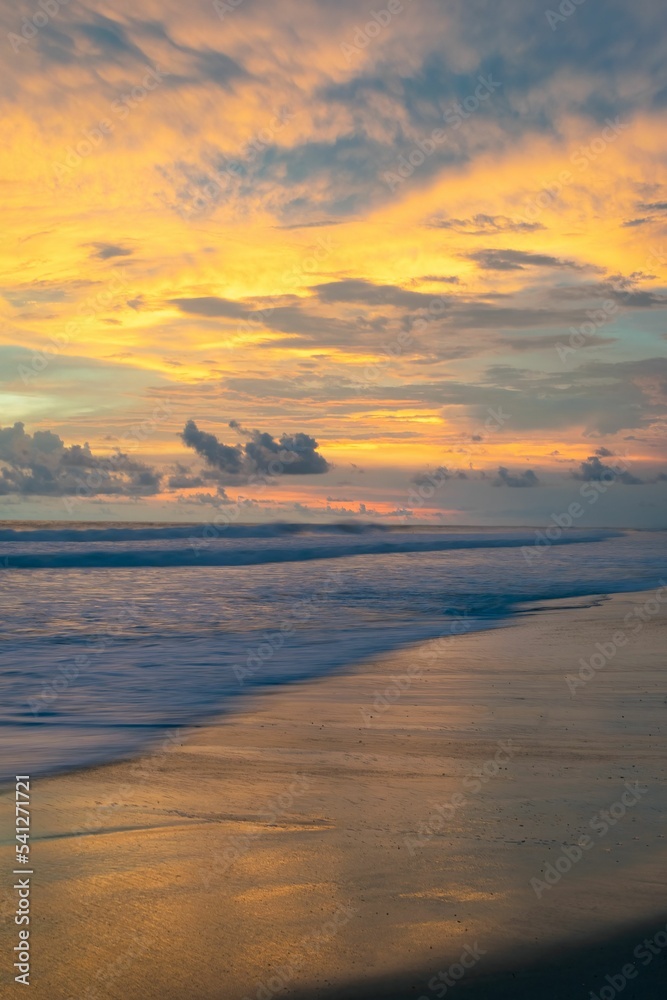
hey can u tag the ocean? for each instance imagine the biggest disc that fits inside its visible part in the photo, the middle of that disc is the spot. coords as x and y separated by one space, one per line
115 635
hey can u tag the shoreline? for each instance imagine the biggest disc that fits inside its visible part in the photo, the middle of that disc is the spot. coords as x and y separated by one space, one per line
303 822
235 702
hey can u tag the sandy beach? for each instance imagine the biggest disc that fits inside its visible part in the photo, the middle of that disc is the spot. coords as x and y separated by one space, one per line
382 832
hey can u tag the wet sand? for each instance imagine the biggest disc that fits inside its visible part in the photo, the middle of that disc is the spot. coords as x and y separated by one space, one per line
325 844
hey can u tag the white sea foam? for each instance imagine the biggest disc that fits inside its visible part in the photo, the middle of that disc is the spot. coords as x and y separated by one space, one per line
124 631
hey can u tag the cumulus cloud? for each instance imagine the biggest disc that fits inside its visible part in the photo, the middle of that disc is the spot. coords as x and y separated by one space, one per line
42 465
182 478
515 479
236 426
292 454
595 471
227 458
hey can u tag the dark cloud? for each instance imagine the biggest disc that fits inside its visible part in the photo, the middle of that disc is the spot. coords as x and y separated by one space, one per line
387 106
292 454
184 481
313 329
95 41
109 38
104 251
486 225
317 224
554 341
440 475
227 458
215 67
601 397
380 310
485 315
211 305
298 453
236 426
594 471
517 260
42 465
358 290
639 300
446 279
515 479
619 287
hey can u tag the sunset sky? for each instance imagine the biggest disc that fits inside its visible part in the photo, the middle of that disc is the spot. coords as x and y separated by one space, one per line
427 235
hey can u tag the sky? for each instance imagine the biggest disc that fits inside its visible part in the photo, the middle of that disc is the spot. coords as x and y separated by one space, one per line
400 261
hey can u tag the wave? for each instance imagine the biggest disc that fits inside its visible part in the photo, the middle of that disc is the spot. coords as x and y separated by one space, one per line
95 671
203 551
150 532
